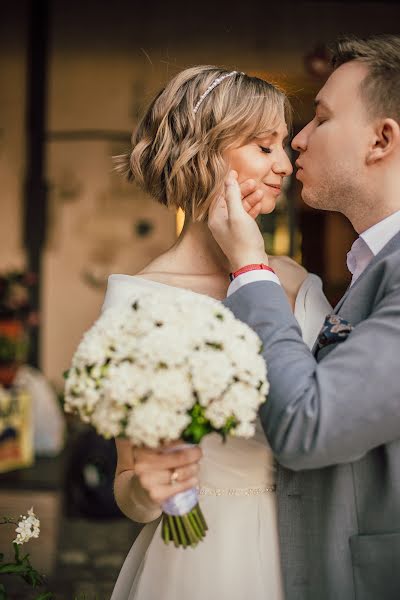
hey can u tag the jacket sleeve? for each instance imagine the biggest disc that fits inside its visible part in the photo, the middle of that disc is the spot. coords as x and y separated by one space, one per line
335 411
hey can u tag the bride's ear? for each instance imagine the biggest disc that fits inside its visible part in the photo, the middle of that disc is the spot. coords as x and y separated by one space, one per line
386 140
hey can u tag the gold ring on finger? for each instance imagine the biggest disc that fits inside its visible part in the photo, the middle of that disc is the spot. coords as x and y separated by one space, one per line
174 477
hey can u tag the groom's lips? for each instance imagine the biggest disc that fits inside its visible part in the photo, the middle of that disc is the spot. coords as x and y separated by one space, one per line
299 169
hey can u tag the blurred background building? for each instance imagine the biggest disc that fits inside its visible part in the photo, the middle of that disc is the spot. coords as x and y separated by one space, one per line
74 78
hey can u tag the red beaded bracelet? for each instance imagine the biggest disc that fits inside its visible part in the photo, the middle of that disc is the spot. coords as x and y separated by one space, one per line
247 268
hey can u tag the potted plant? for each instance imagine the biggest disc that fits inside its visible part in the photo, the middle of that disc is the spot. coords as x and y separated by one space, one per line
16 316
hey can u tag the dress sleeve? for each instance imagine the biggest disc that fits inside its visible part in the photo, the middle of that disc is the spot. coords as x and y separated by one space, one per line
311 308
119 288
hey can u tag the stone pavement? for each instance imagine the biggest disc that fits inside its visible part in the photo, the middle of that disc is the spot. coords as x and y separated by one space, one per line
90 557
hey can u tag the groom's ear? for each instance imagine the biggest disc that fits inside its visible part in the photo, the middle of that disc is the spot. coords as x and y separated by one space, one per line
386 139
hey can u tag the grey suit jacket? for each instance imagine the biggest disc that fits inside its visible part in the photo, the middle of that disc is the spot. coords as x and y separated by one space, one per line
333 423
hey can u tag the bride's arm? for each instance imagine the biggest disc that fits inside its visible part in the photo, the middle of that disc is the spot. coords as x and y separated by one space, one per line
143 478
131 497
291 275
305 294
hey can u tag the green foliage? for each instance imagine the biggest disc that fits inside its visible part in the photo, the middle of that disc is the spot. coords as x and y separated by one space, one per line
13 349
21 567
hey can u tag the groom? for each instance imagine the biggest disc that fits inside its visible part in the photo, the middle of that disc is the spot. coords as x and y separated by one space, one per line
333 418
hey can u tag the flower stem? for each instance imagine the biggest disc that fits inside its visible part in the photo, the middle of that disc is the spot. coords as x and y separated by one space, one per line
174 533
185 530
194 525
166 532
189 530
181 531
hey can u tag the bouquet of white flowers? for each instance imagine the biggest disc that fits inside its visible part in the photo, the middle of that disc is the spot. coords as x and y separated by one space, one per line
169 365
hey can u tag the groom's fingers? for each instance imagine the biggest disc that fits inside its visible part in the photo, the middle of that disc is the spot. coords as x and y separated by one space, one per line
252 200
255 211
247 187
218 211
233 198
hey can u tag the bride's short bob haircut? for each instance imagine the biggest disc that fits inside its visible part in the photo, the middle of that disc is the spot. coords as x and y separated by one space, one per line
177 155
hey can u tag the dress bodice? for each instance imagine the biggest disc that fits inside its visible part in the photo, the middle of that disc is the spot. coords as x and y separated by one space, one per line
238 463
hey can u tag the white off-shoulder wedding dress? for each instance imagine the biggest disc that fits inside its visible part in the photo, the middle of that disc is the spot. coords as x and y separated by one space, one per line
239 558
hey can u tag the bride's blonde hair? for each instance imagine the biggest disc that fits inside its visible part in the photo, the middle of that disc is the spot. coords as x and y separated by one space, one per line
177 155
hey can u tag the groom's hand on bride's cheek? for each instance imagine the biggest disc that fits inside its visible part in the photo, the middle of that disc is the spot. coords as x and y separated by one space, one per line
235 230
251 197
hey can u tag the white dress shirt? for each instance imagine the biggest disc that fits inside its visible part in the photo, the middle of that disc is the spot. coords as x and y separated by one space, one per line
368 245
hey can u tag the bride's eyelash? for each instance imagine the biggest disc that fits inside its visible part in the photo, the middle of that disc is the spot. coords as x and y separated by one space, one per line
266 150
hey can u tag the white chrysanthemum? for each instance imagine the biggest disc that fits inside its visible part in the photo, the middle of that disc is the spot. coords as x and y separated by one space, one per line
167 346
242 331
245 430
150 423
108 418
217 414
243 399
28 527
212 372
172 387
250 367
126 383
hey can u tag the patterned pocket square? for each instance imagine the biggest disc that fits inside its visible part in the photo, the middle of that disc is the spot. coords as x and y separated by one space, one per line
334 330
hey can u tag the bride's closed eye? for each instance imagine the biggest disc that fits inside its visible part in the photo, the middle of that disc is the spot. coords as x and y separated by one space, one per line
266 149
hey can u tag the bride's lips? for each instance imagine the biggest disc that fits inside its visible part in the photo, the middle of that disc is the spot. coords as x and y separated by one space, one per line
274 187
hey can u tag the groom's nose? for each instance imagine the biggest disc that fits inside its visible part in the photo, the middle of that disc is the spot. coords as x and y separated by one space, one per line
299 142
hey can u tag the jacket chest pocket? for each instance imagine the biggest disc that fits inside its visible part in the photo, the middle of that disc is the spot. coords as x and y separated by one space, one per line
376 566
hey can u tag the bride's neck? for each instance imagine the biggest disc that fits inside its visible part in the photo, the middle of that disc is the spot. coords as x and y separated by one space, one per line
196 252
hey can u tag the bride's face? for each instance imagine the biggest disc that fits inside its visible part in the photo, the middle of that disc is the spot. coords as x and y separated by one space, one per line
264 160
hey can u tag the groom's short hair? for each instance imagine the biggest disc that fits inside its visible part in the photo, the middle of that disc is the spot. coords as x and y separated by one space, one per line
381 87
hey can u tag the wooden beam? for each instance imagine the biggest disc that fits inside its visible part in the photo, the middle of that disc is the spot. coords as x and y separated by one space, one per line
35 201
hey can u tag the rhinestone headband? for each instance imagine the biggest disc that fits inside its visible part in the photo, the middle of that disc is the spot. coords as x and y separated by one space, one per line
210 89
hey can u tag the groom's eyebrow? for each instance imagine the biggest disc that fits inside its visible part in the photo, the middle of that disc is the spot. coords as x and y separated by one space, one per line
319 102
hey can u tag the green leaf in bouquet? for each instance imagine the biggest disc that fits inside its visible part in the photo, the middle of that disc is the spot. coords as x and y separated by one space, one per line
199 426
230 424
215 345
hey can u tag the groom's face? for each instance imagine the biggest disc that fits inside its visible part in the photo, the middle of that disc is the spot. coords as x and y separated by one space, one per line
332 147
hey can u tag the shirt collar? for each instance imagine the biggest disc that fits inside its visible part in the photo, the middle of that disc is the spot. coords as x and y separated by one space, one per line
377 236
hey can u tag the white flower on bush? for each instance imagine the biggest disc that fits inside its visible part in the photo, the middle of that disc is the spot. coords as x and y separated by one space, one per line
28 527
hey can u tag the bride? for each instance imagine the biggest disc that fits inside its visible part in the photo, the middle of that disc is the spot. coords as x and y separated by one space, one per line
205 122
